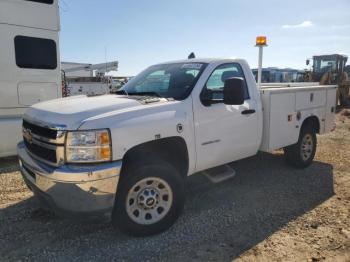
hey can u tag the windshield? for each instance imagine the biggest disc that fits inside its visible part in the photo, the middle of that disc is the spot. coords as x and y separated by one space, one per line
324 65
165 80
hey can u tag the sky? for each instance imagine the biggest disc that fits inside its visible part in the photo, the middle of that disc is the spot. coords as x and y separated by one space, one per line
141 33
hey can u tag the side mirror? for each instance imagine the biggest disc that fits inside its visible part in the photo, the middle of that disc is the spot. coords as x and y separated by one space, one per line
207 97
233 91
307 62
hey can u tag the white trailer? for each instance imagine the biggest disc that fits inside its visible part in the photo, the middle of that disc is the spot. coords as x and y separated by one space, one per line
29 64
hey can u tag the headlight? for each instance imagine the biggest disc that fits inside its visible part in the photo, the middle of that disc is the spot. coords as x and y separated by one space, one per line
88 146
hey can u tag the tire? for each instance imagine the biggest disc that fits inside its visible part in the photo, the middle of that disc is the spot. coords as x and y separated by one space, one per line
302 153
156 190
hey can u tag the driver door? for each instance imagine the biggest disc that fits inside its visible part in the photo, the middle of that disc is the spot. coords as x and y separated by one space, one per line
224 133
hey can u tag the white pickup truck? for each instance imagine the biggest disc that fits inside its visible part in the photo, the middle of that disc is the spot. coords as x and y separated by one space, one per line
129 154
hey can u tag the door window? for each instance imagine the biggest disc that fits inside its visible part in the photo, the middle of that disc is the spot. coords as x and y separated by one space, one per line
216 81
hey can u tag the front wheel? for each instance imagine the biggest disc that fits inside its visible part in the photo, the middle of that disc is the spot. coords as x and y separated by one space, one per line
150 198
303 152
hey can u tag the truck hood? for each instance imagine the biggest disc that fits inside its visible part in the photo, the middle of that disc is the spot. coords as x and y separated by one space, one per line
72 111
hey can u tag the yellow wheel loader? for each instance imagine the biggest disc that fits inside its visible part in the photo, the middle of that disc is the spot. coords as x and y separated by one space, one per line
330 69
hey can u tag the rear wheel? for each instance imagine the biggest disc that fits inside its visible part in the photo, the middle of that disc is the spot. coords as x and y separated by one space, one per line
150 198
303 152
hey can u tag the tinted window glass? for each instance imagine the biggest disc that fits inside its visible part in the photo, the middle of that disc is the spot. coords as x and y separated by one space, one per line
165 80
217 79
42 1
157 81
35 53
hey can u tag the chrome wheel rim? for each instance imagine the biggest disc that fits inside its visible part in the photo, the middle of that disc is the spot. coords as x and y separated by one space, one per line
307 145
149 200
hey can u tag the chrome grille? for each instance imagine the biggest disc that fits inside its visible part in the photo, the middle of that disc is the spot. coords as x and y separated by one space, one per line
44 142
42 152
40 131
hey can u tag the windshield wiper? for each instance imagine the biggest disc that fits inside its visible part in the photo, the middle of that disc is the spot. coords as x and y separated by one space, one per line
144 94
122 92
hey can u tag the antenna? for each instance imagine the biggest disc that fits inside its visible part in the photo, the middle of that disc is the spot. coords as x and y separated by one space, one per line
191 56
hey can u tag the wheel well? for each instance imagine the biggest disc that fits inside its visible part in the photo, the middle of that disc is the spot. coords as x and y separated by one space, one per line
171 149
313 122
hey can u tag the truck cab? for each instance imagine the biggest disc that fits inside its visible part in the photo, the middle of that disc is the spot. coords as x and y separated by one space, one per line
329 63
128 154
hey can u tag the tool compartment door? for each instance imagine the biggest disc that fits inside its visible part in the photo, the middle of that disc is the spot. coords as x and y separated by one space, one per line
282 131
310 99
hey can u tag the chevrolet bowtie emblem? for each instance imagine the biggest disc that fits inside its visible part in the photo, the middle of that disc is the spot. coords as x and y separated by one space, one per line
27 134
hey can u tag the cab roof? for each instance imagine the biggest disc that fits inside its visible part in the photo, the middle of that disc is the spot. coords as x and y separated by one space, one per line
202 60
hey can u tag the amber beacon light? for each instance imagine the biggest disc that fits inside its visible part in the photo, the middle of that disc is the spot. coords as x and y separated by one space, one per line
261 41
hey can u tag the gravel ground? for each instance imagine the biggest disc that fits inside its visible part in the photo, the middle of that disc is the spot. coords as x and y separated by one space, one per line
267 212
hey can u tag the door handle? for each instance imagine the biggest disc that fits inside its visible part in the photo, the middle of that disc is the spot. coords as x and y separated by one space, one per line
248 111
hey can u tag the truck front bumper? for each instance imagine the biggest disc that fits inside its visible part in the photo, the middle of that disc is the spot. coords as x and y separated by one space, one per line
71 190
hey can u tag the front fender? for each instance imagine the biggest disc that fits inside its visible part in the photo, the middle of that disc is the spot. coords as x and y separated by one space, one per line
134 127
